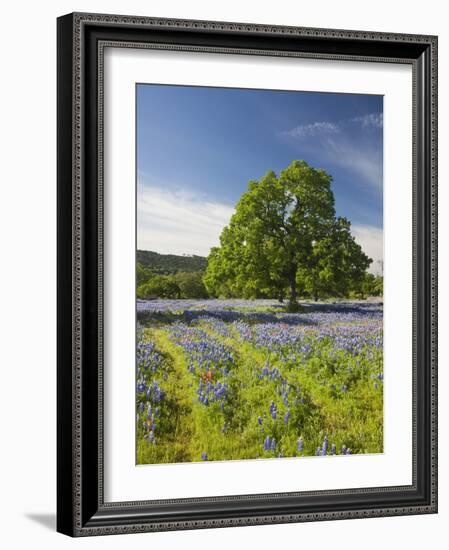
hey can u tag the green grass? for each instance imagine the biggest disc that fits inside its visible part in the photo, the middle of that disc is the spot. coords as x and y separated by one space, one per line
317 404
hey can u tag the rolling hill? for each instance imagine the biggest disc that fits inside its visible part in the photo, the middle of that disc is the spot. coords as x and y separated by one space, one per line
166 264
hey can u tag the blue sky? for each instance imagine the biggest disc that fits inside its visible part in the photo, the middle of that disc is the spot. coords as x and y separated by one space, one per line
198 147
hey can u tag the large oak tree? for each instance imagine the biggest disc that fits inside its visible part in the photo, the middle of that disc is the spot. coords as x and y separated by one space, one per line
284 237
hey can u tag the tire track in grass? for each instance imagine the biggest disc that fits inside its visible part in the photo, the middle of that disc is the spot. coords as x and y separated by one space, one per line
197 430
219 426
178 385
214 400
255 395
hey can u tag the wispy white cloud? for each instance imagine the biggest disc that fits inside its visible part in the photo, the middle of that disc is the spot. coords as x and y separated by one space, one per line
340 143
370 238
361 159
176 222
371 120
314 129
318 128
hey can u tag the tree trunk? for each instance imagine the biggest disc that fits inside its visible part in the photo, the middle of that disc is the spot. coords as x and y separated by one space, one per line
292 302
292 306
293 293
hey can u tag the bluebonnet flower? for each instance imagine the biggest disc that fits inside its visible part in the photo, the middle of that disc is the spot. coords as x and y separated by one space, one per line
203 456
273 444
325 444
300 445
267 443
286 338
141 407
158 394
147 356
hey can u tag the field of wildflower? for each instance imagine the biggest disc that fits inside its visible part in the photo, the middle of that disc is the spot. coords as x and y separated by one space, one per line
241 379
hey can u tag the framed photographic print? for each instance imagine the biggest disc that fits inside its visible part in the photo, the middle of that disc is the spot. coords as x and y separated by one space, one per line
247 281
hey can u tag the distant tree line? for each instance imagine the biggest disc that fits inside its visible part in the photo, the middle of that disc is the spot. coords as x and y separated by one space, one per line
184 284
151 285
167 264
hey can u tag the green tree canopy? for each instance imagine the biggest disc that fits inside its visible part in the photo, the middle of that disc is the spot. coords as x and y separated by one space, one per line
191 284
159 286
285 236
368 285
143 274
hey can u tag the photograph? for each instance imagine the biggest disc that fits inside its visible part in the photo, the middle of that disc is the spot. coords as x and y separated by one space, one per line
259 274
247 275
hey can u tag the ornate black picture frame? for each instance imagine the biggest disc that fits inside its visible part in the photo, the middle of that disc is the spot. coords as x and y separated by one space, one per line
81 510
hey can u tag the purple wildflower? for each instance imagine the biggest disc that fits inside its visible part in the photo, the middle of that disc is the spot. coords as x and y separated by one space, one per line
267 443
